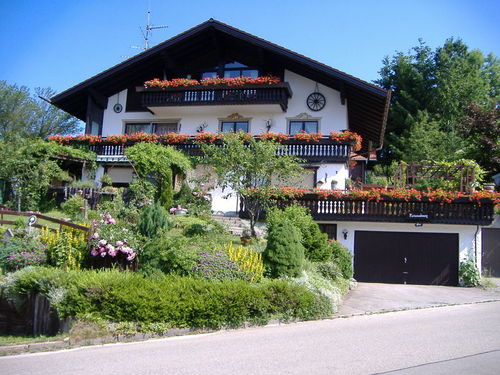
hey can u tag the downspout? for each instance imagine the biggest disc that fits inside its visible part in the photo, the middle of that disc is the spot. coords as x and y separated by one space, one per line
475 245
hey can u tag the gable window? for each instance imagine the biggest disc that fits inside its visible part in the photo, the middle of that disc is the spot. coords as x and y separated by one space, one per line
234 126
151 127
232 70
307 126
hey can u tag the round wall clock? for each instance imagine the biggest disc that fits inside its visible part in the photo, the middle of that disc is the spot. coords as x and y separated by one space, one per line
117 108
316 101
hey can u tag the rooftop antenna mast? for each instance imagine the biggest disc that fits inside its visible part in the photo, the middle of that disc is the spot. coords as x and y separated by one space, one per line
146 32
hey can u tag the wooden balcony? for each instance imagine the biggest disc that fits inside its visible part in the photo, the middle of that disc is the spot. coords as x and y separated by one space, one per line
277 94
461 211
325 150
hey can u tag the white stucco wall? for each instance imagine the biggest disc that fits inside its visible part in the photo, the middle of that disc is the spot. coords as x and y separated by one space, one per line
469 242
327 173
332 117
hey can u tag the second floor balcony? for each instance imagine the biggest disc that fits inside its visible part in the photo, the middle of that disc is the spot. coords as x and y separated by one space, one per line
324 150
276 94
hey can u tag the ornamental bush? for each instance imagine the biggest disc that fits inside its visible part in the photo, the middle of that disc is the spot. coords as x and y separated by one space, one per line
178 301
65 248
284 252
315 242
154 218
342 257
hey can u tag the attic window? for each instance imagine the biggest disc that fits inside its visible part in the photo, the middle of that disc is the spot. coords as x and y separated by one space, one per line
232 70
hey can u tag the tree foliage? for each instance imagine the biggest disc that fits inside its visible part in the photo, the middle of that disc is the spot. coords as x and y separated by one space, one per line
244 166
23 115
431 91
482 127
30 166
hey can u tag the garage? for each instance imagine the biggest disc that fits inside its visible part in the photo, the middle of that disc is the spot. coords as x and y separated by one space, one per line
406 258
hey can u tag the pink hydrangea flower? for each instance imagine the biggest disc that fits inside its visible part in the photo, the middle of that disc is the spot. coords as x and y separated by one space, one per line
119 243
103 243
111 221
110 247
102 249
131 256
125 249
94 252
112 253
103 254
95 236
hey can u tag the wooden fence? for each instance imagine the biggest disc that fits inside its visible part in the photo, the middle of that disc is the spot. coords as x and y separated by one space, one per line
61 223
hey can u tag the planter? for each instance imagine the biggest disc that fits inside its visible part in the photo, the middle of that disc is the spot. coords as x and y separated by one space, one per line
181 211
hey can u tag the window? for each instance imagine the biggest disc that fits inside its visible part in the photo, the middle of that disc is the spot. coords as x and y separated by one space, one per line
232 70
303 126
234 126
151 127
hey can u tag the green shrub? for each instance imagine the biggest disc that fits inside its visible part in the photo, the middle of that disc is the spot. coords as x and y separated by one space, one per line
216 266
315 242
468 274
176 301
194 230
329 270
153 219
73 206
342 257
169 255
284 253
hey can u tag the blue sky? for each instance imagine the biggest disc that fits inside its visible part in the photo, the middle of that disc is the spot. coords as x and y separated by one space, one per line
60 43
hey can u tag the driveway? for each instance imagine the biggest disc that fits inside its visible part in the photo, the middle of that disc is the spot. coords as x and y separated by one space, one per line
370 298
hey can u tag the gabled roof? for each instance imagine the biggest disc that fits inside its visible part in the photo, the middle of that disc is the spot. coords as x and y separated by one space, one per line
367 103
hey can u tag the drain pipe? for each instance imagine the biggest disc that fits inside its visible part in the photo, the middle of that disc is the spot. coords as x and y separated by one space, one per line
475 245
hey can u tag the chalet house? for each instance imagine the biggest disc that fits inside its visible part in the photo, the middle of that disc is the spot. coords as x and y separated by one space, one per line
392 241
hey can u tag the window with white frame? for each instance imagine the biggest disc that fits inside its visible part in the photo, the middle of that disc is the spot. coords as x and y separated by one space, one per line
151 127
308 126
234 126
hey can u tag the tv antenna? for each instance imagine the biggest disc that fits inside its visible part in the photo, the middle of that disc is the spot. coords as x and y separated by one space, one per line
147 31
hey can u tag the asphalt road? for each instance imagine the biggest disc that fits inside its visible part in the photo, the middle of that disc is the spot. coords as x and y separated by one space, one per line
446 340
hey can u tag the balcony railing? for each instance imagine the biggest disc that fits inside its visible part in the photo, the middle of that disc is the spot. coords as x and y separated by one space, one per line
325 150
219 95
461 211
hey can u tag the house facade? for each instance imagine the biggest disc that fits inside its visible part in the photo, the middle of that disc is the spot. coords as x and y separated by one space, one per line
284 92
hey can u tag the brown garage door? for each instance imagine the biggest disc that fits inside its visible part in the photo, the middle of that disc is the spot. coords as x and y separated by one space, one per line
406 258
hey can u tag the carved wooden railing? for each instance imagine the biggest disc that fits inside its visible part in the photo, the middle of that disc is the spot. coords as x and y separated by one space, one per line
460 211
324 150
216 95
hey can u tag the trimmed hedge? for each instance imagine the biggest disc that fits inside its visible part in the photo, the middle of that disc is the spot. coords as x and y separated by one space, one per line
180 301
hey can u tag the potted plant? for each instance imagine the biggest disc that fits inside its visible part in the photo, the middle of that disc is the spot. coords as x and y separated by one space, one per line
246 237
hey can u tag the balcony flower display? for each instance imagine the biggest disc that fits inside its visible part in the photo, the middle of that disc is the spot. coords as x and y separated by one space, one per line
217 81
206 137
174 138
347 136
276 137
399 195
308 137
117 139
143 137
